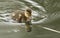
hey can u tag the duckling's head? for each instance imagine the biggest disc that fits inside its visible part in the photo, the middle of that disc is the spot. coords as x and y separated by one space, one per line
28 12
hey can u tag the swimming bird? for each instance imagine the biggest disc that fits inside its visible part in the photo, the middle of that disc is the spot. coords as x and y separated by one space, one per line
23 16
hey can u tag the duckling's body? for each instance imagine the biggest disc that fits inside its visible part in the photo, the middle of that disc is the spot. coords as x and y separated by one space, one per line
23 16
19 16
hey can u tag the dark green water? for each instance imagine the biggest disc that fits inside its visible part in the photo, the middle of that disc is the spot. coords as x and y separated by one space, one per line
46 15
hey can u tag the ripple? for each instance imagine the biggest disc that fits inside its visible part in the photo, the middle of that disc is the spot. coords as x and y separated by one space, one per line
36 5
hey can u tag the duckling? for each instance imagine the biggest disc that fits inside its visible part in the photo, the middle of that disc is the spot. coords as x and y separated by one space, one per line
23 17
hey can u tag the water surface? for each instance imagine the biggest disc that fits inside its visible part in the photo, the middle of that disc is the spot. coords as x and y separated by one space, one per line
45 19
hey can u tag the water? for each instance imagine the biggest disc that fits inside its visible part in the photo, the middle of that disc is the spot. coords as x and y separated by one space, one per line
45 19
